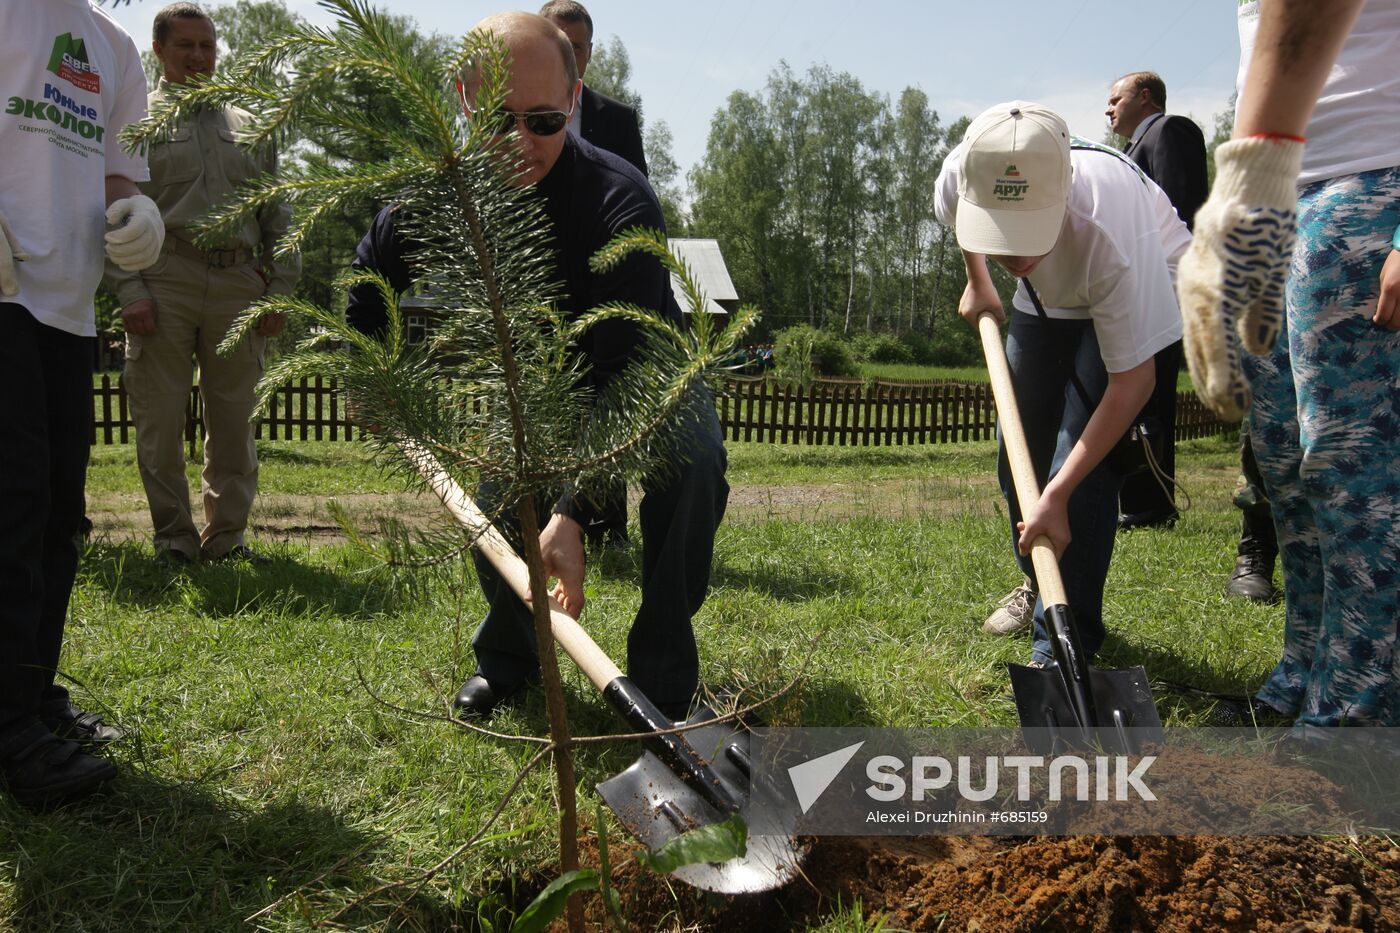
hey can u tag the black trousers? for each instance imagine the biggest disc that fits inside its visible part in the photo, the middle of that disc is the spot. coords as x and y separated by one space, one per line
1257 533
46 376
1142 492
680 514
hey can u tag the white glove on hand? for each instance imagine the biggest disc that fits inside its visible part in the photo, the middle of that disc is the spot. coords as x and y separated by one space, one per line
135 243
9 252
1231 279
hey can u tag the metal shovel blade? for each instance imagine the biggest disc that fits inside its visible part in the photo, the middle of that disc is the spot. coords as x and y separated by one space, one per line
1126 715
655 805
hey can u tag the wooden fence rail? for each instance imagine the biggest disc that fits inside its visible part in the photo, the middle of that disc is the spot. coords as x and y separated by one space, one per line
831 412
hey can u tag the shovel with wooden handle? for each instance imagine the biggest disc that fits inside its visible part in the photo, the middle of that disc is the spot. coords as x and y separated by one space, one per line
1068 701
684 780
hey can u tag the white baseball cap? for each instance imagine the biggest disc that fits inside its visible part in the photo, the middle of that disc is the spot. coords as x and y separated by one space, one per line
1014 183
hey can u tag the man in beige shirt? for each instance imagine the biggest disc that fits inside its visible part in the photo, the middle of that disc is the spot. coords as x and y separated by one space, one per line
181 308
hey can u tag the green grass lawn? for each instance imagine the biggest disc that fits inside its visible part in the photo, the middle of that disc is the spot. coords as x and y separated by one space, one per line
285 749
913 372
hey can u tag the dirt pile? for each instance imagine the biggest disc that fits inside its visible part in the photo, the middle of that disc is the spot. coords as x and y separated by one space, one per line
1173 884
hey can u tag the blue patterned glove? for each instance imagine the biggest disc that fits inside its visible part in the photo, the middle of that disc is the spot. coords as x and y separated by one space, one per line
1231 279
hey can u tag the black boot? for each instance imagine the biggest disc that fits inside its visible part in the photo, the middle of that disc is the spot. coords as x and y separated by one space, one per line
1253 578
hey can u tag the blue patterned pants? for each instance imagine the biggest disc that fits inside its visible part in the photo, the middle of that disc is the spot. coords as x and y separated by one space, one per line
1326 430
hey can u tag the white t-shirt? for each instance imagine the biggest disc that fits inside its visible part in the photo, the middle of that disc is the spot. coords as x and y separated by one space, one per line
1356 125
1115 261
70 81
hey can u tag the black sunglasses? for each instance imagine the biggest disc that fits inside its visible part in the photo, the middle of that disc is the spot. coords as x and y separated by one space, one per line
538 122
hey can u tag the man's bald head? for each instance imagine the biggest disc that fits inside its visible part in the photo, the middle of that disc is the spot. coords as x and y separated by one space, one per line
520 30
543 79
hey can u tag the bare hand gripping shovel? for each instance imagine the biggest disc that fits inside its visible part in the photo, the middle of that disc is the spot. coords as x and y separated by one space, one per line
683 780
1068 702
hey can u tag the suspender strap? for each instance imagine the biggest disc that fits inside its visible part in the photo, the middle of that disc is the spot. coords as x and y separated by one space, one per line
1073 376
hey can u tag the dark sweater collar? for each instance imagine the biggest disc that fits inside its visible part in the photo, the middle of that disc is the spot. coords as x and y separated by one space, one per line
559 181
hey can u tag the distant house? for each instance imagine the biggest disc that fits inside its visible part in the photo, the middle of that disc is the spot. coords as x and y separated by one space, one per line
707 267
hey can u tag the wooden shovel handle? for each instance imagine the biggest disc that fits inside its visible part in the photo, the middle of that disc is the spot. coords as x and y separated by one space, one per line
495 548
1047 569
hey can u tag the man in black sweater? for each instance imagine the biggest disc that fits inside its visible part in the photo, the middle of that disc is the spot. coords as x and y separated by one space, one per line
612 125
589 196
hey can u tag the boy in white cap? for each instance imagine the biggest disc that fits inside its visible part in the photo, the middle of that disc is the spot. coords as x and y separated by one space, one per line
1097 243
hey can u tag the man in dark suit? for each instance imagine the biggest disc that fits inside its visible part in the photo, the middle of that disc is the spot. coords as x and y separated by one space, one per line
606 123
612 125
1170 150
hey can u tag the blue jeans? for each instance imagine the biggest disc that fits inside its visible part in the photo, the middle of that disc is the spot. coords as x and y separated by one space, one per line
680 514
1041 355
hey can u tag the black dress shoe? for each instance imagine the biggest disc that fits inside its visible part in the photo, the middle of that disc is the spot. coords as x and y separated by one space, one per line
86 729
49 770
478 698
1157 519
241 554
1253 579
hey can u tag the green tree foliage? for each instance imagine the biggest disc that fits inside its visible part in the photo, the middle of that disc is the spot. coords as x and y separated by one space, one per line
1224 126
821 195
665 176
610 73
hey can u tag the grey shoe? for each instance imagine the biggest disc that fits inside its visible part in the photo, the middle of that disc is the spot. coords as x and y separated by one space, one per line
1013 613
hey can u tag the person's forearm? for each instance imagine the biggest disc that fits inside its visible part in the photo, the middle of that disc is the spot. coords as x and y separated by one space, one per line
1297 42
118 187
977 274
1125 396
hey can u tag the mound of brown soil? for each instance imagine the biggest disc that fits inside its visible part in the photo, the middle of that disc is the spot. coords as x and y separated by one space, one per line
1157 883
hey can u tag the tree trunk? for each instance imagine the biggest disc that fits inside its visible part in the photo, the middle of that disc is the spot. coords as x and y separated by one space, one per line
870 302
938 279
850 293
530 532
554 706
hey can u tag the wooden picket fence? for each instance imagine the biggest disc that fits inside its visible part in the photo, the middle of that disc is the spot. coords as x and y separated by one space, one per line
854 412
831 412
311 410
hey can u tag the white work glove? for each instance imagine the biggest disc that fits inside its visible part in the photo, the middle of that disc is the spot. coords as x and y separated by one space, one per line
9 253
139 233
1231 279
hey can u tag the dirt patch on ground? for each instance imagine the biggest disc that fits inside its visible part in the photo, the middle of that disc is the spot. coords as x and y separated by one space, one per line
1106 884
1173 884
925 497
307 519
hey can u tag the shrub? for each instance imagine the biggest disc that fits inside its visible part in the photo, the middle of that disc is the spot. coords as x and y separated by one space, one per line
887 348
956 345
802 352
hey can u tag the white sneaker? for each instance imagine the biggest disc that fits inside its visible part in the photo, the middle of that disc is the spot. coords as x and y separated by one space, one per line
1013 613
